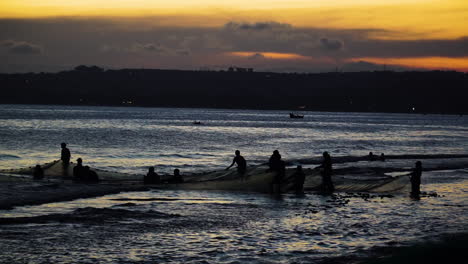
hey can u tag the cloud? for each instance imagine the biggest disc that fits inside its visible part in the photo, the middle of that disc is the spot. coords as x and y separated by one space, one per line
259 26
183 52
150 47
409 48
21 47
359 66
256 56
331 44
111 44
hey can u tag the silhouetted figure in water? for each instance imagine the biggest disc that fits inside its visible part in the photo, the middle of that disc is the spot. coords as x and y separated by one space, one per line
279 167
65 158
177 178
299 178
327 183
372 157
275 161
90 175
151 177
382 157
241 164
79 170
65 155
38 173
416 179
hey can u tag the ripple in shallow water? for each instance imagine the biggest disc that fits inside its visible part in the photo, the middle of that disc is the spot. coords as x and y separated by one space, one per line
218 227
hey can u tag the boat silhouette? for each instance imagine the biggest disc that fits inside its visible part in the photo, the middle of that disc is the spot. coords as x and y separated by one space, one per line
292 115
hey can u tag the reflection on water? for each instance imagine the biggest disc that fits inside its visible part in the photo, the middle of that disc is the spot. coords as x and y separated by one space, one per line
132 139
219 227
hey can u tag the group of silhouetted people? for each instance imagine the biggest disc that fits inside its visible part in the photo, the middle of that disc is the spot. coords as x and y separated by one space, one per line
275 163
153 178
80 173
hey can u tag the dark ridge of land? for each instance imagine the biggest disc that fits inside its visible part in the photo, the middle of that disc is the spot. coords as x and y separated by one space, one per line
380 91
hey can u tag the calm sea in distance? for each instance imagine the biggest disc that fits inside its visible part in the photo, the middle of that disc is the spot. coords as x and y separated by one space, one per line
130 139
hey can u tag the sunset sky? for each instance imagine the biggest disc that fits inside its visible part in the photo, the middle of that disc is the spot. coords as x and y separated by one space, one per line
304 36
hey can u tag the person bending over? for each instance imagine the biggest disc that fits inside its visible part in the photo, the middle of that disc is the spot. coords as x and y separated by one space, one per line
241 163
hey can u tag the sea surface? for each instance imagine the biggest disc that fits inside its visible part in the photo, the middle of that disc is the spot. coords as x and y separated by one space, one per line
174 226
164 226
130 139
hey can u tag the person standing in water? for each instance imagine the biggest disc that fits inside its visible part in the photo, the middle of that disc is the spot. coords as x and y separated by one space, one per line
299 178
241 164
177 177
65 158
275 161
415 179
279 167
78 170
327 183
65 155
38 173
151 177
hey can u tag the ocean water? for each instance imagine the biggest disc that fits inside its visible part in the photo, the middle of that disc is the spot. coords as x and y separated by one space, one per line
164 226
131 139
173 226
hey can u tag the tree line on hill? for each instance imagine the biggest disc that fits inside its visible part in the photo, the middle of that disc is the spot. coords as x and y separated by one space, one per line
379 91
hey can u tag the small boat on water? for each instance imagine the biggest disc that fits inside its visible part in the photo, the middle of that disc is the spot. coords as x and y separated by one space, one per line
292 115
197 122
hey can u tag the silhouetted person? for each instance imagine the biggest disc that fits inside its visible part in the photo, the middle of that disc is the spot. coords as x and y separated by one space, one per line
151 177
326 172
275 161
90 175
299 178
38 173
382 157
65 158
79 170
372 156
279 167
416 179
177 177
65 155
241 163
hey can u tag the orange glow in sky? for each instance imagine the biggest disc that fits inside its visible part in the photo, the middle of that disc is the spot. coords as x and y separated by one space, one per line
431 18
269 55
430 63
381 19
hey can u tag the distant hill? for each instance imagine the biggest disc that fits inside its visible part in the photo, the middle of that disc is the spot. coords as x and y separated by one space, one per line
381 91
